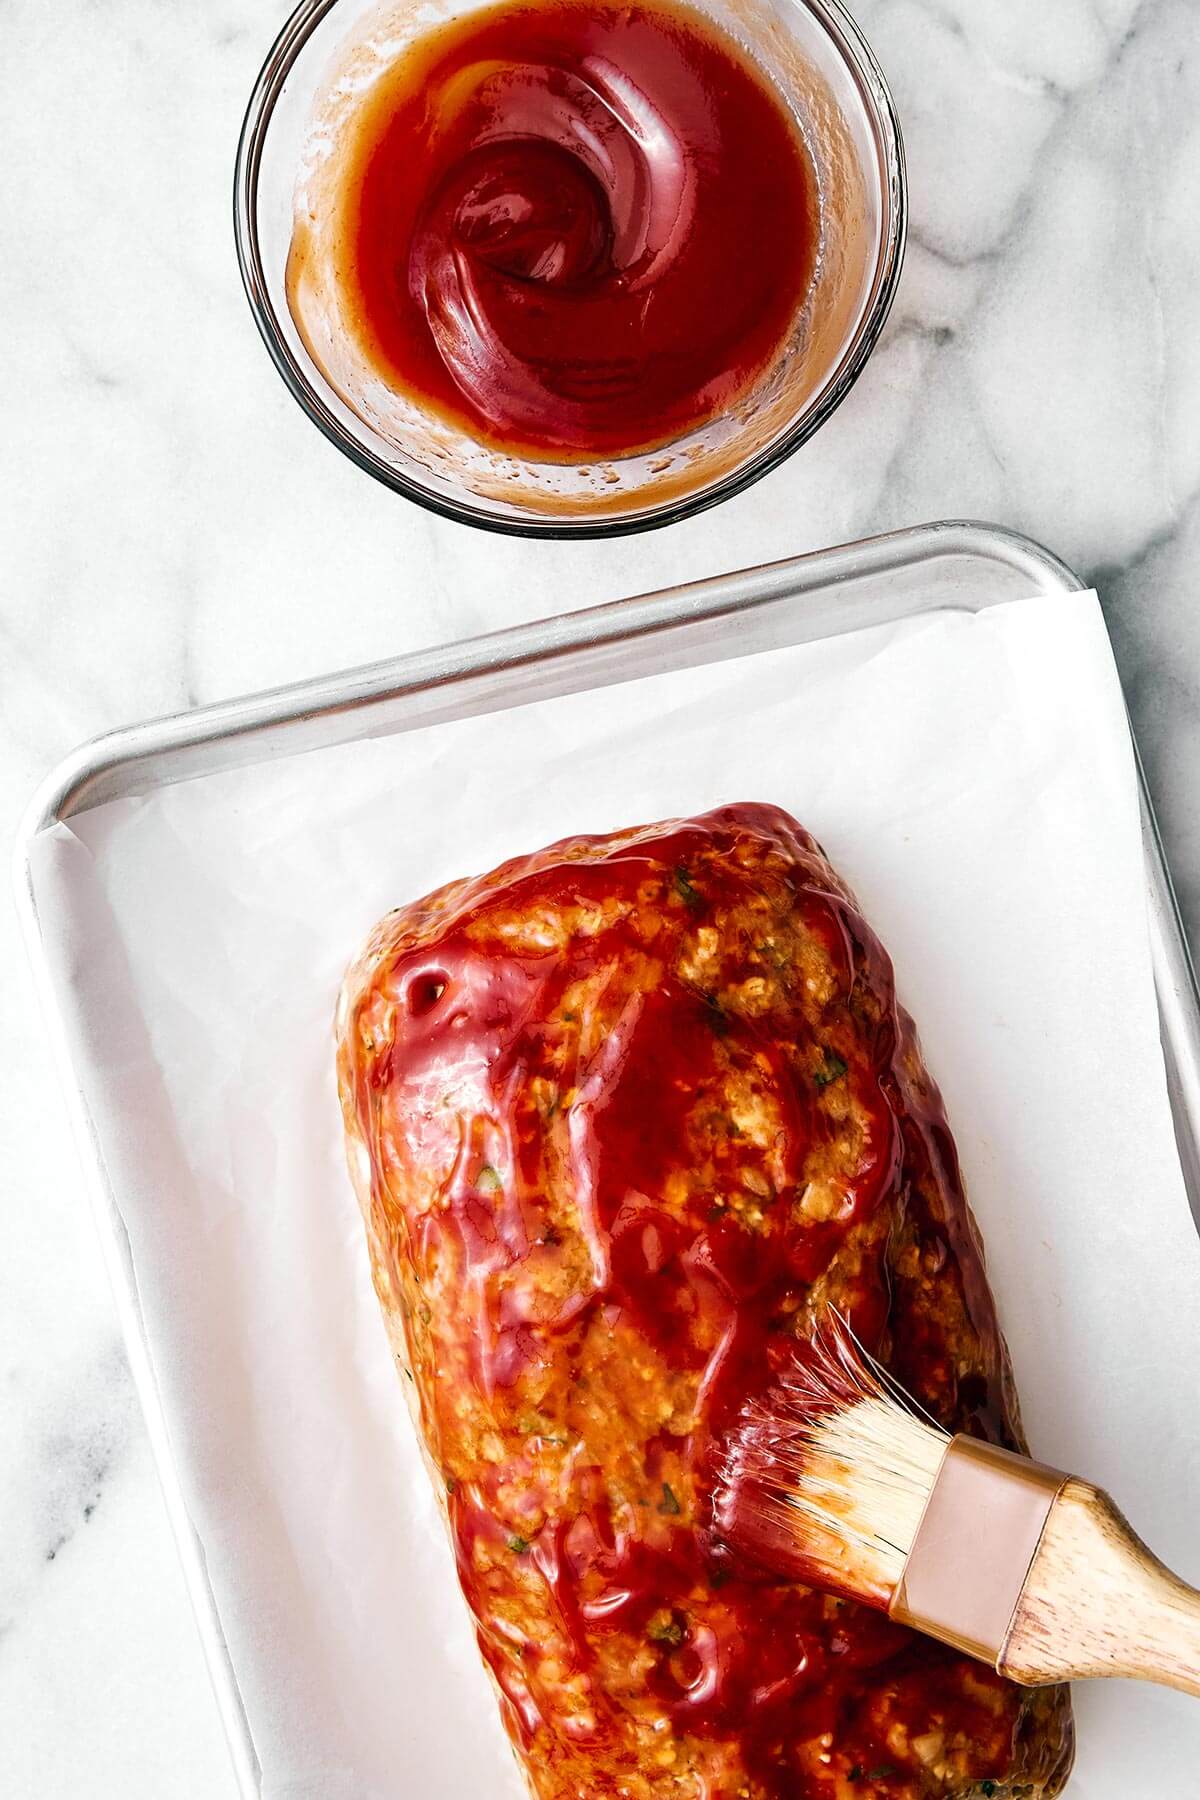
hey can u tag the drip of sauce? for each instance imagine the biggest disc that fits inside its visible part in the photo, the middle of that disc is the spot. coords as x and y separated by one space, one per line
577 228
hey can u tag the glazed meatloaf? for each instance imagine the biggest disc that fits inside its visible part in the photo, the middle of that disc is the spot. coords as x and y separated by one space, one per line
625 1117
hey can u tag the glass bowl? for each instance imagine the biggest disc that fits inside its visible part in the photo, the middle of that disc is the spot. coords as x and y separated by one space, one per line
824 72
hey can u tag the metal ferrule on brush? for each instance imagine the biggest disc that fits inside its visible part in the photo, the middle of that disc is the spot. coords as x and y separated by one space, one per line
974 1547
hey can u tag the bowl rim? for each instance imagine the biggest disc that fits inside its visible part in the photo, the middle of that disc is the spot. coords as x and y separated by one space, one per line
878 101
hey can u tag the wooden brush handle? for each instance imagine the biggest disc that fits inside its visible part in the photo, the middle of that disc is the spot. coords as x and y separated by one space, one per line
1097 1602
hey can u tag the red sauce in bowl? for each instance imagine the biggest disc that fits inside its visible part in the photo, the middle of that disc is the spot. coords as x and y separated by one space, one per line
575 228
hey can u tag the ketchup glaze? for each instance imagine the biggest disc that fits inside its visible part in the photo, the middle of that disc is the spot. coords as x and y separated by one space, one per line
636 1110
575 228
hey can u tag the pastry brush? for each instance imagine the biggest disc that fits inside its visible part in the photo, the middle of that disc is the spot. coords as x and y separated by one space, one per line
836 1477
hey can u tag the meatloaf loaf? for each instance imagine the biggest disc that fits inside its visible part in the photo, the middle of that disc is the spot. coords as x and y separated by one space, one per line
624 1118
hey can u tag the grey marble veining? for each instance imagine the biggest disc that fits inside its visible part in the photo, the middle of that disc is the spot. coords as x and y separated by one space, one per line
172 531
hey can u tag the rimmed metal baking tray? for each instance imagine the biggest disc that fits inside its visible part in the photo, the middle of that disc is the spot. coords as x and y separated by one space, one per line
953 566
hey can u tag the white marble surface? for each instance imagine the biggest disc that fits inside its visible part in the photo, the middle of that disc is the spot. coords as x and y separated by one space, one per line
173 531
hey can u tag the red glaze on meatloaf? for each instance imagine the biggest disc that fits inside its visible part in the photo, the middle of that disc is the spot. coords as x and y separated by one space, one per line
624 1117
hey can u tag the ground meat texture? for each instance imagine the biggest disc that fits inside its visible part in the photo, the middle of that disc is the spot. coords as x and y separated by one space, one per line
624 1117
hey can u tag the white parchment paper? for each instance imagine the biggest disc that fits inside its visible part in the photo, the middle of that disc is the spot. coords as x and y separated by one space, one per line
972 778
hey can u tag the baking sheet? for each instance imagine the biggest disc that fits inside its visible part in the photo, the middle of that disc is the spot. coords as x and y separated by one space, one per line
972 777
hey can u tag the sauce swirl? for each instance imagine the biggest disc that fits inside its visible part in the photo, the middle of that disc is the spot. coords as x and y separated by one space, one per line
577 228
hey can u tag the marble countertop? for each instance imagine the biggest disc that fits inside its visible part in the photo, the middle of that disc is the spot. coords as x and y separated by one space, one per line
175 532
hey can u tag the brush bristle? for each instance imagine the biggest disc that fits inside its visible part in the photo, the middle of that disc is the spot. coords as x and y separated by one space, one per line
825 1478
